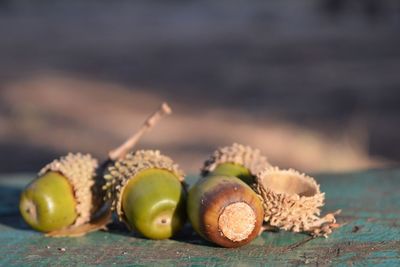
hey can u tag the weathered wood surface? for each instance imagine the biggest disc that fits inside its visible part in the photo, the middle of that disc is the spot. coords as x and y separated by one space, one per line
371 235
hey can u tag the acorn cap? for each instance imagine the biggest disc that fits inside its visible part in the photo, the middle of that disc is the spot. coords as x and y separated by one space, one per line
122 171
239 154
292 201
80 171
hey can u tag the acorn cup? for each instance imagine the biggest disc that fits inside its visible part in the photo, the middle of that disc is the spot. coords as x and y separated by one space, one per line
292 201
66 198
225 211
236 160
148 193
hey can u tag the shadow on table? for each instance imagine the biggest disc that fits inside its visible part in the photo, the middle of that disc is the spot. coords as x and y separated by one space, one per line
9 213
186 235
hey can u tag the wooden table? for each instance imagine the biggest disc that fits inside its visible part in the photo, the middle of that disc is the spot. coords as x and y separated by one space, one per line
370 202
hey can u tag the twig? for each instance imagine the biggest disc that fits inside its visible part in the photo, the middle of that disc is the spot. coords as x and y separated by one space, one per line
150 122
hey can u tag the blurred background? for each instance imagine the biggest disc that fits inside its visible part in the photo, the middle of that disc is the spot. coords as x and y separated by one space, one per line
314 84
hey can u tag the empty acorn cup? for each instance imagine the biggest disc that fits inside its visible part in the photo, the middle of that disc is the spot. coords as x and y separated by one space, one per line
225 211
148 193
292 201
236 160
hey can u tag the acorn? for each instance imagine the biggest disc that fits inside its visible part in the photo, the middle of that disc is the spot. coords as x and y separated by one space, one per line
292 201
236 160
225 211
62 195
66 199
148 193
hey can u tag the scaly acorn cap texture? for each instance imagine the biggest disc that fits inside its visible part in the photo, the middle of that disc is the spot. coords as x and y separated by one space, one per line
246 156
80 171
292 201
122 171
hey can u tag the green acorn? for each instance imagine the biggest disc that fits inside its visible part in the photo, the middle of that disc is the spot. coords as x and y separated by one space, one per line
225 211
236 160
62 195
148 193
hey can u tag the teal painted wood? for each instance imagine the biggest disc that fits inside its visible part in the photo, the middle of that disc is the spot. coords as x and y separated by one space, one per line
371 235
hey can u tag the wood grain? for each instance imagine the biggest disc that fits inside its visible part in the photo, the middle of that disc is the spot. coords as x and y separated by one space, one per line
370 202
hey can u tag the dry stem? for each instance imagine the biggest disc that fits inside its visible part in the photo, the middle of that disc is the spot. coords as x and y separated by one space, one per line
150 122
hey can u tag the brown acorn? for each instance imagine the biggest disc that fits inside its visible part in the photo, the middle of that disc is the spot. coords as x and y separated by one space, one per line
225 211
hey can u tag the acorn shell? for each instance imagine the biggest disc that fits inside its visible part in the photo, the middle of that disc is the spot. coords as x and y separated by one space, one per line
80 171
292 201
239 154
122 171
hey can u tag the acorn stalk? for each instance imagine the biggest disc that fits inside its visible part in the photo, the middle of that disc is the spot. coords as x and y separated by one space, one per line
225 211
120 152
